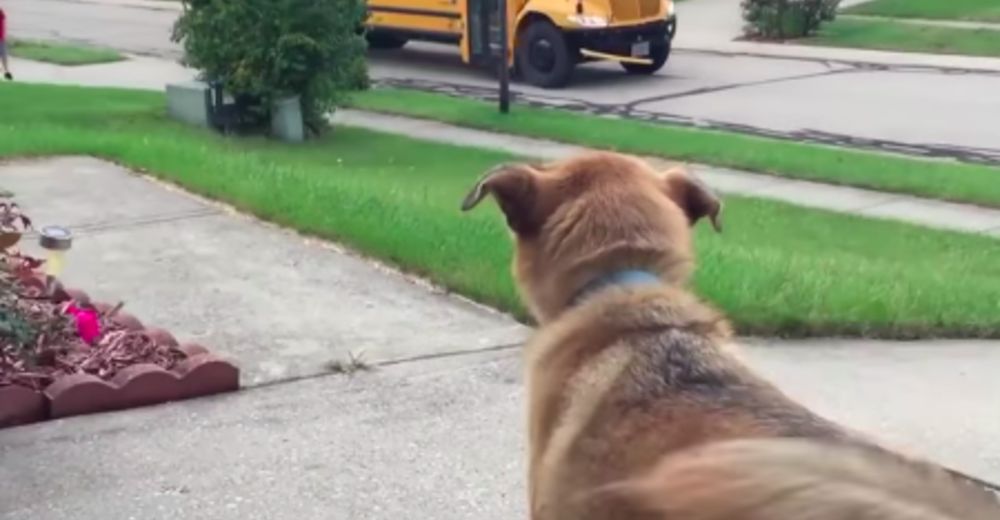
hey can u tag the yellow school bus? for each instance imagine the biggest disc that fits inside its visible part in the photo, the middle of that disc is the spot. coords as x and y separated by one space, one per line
546 38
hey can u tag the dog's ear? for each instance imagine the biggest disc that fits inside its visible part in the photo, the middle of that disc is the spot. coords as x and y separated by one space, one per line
696 199
515 187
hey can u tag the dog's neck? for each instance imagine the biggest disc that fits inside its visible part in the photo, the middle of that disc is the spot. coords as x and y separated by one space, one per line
617 278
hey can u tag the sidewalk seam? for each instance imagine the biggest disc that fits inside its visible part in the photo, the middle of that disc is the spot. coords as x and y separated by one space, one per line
891 200
101 227
389 363
733 86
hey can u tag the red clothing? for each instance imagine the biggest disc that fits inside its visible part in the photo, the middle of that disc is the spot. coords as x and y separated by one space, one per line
3 26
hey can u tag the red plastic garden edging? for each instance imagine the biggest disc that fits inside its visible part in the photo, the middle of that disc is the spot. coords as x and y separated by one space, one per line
198 374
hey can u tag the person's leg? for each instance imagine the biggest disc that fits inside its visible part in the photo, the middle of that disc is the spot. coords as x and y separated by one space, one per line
3 60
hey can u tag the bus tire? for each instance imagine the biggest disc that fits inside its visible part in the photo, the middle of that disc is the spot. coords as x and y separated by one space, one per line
544 58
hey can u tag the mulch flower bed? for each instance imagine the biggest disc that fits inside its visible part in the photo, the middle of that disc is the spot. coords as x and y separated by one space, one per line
62 354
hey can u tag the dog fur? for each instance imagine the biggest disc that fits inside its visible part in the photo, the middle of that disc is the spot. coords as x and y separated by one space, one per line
621 377
801 479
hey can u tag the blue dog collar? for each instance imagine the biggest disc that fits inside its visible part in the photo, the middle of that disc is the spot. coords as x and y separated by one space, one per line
627 277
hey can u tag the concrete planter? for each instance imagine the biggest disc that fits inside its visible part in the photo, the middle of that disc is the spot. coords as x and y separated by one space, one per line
190 102
287 123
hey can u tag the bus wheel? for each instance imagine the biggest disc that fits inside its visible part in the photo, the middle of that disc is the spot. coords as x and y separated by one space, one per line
543 56
658 53
381 40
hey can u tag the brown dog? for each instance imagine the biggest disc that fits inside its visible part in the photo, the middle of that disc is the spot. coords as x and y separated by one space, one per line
628 366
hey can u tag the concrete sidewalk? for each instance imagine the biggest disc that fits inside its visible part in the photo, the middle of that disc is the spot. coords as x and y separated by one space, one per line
855 201
286 311
438 439
138 72
152 5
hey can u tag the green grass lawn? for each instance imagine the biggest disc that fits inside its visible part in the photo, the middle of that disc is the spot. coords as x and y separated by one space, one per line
934 179
777 269
62 53
900 36
975 10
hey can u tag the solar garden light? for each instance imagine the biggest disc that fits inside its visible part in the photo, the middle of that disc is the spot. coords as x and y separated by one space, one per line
55 240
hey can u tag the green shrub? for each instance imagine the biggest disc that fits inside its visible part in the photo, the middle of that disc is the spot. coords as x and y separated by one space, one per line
781 19
268 49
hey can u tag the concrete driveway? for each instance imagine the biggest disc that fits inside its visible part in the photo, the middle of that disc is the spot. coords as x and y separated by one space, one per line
439 438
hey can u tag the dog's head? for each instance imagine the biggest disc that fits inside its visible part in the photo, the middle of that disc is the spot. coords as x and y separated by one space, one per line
586 217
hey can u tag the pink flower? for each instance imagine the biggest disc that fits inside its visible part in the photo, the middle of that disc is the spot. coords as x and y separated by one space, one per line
88 326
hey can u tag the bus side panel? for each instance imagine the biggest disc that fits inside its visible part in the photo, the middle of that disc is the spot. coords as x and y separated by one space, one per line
438 19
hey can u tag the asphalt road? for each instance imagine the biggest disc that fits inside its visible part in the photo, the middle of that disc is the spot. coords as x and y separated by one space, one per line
922 110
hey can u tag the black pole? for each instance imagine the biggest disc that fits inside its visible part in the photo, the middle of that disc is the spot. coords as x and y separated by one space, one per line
504 51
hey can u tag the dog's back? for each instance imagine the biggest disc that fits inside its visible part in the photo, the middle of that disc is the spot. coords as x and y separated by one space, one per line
803 479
